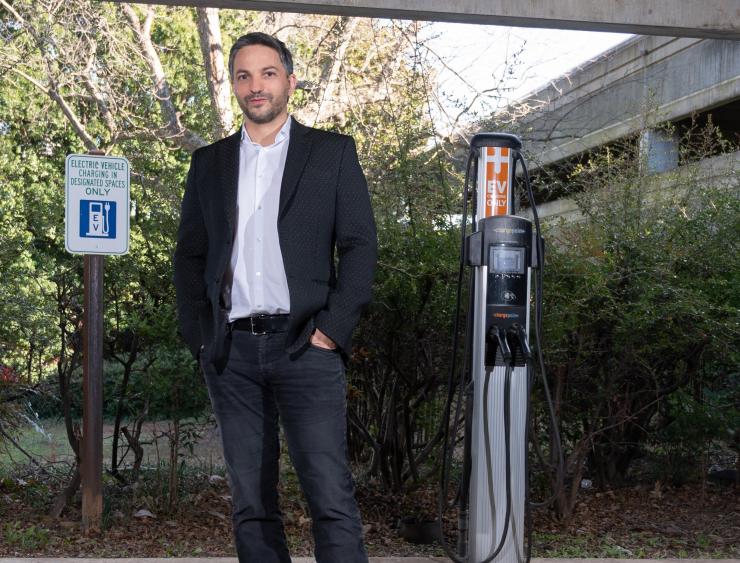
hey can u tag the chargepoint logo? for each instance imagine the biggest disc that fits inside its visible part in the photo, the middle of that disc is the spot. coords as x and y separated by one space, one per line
509 231
506 315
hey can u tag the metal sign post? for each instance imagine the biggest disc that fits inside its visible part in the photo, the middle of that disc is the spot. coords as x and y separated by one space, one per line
92 388
96 223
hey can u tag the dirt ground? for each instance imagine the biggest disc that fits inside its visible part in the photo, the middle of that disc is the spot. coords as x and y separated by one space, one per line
636 522
645 521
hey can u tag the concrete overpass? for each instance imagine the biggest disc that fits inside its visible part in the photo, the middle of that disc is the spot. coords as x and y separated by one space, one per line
721 170
640 82
719 19
633 86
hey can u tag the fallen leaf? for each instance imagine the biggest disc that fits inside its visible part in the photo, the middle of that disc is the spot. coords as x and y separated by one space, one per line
217 514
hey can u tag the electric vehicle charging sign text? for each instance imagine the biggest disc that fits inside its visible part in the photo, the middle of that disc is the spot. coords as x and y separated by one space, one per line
97 204
497 181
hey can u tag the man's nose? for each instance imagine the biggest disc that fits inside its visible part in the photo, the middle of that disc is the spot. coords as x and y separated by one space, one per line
255 85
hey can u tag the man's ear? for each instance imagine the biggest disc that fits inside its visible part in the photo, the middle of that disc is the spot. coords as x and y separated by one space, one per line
293 81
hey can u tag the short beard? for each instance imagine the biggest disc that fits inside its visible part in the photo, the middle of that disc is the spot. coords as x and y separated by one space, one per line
260 118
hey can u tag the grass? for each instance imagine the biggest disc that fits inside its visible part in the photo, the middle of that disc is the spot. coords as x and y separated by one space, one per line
585 545
48 443
639 545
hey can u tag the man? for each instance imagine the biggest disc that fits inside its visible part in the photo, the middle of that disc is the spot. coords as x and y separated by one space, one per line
263 308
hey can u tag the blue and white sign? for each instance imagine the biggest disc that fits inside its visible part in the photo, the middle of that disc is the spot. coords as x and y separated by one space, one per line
97 219
97 204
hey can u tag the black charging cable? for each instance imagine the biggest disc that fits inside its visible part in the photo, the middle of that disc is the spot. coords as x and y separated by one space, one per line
539 284
447 451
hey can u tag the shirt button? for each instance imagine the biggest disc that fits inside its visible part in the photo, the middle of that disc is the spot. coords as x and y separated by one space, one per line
259 274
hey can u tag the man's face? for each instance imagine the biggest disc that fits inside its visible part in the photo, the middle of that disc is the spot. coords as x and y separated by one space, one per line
261 84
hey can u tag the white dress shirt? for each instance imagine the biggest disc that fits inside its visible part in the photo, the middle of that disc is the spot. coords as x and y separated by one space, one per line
258 283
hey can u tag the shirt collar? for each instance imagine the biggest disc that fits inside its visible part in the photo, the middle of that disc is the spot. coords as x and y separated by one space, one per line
282 135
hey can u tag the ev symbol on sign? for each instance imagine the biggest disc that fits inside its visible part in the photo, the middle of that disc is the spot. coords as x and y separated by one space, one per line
97 219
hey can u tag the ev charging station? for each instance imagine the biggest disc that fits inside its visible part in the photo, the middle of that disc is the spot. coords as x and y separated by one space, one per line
502 251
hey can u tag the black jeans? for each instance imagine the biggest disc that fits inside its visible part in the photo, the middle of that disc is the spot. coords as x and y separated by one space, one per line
262 383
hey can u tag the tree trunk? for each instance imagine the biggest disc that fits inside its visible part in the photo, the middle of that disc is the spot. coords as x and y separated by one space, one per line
127 367
134 440
174 436
65 497
326 105
217 78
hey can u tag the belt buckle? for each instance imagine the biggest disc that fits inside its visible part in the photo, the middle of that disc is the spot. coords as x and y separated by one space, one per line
251 326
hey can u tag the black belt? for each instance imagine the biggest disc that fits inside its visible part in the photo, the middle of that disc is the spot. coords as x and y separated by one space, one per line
261 324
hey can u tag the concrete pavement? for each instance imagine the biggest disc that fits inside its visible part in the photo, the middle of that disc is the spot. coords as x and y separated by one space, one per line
312 560
212 560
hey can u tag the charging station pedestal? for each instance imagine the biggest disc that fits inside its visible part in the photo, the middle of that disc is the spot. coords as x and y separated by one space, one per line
500 251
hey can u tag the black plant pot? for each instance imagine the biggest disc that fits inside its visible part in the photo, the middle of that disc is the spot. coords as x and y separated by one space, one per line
418 531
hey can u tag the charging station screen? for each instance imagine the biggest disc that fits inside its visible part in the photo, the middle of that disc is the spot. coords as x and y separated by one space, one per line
506 260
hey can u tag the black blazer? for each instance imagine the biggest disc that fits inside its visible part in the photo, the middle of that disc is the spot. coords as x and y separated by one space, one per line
324 206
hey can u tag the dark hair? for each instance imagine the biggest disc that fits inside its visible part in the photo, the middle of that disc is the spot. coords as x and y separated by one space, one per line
259 38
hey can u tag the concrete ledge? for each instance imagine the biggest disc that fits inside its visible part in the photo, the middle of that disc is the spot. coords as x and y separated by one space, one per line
708 18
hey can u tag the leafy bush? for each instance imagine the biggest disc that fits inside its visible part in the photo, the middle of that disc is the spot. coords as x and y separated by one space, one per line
641 313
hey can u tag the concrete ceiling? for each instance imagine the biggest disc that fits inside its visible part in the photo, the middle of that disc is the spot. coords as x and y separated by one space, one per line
717 19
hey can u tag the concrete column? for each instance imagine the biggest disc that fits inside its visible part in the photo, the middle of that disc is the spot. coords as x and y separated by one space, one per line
658 151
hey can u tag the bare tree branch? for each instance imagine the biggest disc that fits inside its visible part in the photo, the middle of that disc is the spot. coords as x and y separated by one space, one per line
32 459
323 109
96 95
173 128
51 90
